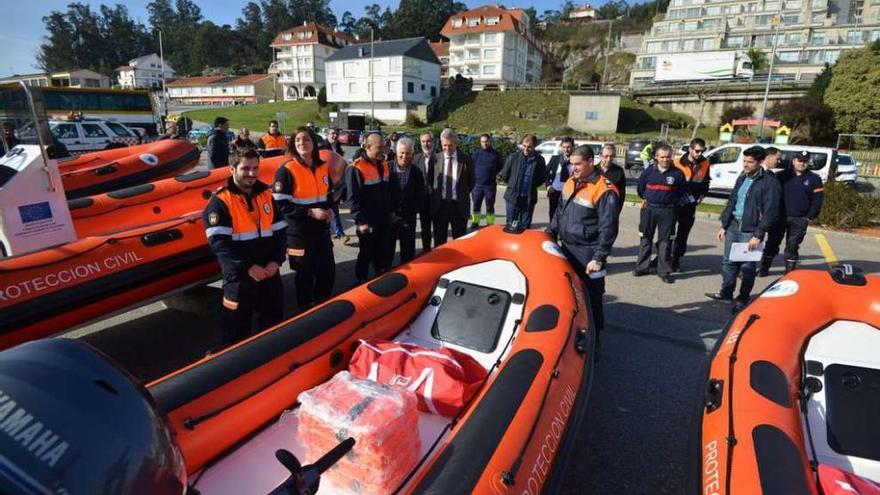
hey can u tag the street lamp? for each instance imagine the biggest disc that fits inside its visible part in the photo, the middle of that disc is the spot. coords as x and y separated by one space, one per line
162 69
776 23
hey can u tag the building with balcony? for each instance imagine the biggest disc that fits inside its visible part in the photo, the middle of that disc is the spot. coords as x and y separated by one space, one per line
144 72
404 74
77 78
300 53
811 33
441 49
493 46
222 90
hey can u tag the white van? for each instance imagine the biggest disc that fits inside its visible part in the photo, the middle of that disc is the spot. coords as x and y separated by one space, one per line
554 147
726 162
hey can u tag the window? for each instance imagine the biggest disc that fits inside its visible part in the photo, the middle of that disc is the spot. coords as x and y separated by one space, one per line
690 25
726 155
65 131
410 87
423 87
491 21
352 87
854 38
713 11
793 39
734 42
394 105
490 38
710 23
646 63
93 131
490 54
302 35
286 36
433 91
788 57
488 70
349 69
395 64
771 6
334 88
792 5
456 23
473 21
818 39
654 46
791 19
818 4
118 129
591 115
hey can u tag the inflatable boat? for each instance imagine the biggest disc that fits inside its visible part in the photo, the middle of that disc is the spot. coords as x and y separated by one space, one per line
510 303
132 246
107 170
792 400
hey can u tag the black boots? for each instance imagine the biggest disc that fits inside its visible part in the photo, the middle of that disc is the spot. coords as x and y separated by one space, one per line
790 265
764 269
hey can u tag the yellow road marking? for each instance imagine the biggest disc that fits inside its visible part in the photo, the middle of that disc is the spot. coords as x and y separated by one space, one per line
825 246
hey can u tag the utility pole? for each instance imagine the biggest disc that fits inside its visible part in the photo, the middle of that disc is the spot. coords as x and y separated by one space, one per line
372 87
164 90
607 50
776 23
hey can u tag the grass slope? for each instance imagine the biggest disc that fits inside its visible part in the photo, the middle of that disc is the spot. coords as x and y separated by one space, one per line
537 112
256 117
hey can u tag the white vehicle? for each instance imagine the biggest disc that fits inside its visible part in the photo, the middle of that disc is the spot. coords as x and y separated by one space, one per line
80 136
702 66
554 147
726 162
847 168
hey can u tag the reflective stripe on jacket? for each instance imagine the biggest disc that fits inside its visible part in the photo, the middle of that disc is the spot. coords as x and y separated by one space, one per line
297 188
587 218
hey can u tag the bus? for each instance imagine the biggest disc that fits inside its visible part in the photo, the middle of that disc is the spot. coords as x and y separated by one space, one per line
133 108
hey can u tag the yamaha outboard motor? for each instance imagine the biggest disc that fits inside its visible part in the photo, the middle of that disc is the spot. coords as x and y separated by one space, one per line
71 422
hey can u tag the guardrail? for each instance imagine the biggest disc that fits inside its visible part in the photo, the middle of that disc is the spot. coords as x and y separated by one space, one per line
786 81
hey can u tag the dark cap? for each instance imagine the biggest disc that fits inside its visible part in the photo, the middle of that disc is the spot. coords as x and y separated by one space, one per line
802 155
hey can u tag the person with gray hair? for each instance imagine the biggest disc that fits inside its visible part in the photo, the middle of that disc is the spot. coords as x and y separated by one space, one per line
452 182
409 189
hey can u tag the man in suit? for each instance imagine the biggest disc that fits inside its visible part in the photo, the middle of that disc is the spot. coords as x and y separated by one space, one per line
523 172
424 161
558 172
451 186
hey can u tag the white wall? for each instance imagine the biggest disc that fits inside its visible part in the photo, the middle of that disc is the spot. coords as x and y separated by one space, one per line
494 57
348 80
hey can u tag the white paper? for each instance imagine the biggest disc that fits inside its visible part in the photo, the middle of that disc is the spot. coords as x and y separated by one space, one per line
739 252
599 274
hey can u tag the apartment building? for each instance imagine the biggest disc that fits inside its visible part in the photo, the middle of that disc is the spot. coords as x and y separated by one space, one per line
811 33
441 49
405 74
300 53
222 90
144 72
493 46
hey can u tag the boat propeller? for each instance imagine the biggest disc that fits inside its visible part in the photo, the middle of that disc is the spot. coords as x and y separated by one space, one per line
305 480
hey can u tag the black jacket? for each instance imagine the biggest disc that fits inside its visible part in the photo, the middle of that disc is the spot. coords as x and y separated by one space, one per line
218 149
617 176
426 165
761 207
512 174
552 168
411 198
586 220
802 194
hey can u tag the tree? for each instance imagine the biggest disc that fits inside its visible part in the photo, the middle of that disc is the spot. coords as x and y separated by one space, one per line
347 24
759 59
810 121
318 11
57 51
820 85
732 113
853 93
703 94
426 18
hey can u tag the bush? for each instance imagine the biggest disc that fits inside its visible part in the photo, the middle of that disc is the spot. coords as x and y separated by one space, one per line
414 121
502 145
322 97
844 208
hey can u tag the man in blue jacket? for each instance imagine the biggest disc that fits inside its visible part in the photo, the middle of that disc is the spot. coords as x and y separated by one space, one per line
802 192
487 165
751 211
660 186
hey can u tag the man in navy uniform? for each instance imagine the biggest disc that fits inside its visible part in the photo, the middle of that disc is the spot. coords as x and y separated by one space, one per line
660 187
246 230
802 192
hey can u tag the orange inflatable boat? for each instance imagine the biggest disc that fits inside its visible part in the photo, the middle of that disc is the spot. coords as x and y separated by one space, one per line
511 302
134 245
101 171
792 400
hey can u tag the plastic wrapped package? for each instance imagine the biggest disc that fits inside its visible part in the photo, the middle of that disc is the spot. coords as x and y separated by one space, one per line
383 420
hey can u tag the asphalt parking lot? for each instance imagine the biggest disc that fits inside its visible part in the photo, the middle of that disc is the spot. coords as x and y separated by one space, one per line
635 435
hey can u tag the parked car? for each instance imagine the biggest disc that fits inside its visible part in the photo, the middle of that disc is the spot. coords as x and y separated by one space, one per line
554 147
349 137
80 136
634 153
847 169
726 162
202 131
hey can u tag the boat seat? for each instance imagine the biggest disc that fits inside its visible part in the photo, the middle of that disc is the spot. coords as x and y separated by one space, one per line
471 316
844 359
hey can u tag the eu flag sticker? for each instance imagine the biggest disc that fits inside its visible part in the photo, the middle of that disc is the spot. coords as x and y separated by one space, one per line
35 212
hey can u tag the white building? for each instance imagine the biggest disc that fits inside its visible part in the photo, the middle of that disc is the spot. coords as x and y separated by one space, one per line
583 12
77 78
299 54
144 72
493 46
222 90
406 73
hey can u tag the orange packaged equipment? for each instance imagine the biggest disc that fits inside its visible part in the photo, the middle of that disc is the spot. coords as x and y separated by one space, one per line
382 419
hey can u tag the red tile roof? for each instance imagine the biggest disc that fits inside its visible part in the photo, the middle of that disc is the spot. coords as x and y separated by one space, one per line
314 32
508 20
218 80
441 48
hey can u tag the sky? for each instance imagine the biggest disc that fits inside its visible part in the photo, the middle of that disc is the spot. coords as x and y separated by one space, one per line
20 40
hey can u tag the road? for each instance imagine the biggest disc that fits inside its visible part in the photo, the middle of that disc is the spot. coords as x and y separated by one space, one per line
655 347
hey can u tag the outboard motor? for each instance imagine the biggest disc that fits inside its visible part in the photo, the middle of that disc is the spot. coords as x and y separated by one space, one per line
71 422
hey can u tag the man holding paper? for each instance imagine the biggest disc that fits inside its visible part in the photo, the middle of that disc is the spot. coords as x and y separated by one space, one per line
586 222
751 210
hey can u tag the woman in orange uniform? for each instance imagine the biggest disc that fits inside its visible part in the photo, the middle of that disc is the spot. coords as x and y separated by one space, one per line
303 188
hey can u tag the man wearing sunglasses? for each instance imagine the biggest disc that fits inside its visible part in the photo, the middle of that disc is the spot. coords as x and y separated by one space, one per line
695 168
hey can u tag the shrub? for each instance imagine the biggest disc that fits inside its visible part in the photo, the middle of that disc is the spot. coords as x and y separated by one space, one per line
322 97
413 121
843 207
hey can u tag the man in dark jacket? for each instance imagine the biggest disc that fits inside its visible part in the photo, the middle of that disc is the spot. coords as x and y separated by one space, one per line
372 199
218 144
558 172
802 192
237 219
613 172
451 186
695 168
586 221
524 172
410 195
487 165
751 211
660 187
332 142
424 161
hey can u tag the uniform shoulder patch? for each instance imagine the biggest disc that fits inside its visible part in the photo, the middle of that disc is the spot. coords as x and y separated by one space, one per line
267 208
213 218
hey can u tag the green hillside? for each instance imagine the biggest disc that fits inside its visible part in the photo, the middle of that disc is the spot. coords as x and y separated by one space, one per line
256 117
519 112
